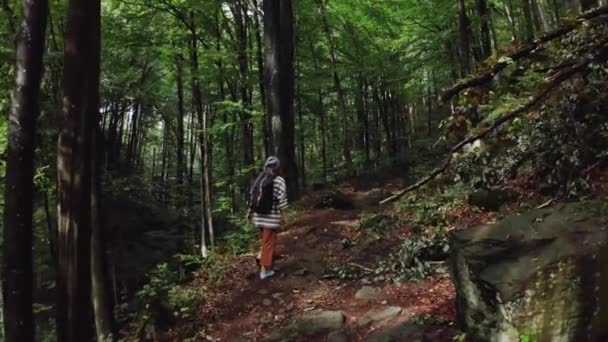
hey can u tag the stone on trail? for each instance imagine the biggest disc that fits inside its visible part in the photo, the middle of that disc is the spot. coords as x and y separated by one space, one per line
266 302
369 293
541 273
310 324
301 272
402 331
378 315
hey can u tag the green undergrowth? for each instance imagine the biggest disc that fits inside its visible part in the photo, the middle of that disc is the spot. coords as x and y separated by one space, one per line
167 296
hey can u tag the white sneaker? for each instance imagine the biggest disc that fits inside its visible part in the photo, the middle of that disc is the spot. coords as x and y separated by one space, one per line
266 274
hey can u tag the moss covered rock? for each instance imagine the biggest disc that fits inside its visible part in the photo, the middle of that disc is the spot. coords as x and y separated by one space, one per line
542 274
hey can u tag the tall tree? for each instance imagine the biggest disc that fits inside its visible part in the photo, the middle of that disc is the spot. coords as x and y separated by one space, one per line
279 70
17 273
465 38
75 161
179 79
202 115
485 32
346 143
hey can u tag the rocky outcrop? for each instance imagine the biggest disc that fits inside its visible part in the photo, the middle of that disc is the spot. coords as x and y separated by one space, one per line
542 274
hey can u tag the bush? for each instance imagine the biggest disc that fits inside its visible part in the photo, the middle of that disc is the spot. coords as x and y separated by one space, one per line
414 259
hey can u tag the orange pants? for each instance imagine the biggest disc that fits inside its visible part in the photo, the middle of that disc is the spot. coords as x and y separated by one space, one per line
269 237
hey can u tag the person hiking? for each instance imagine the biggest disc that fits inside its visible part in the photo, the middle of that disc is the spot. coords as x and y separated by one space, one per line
267 201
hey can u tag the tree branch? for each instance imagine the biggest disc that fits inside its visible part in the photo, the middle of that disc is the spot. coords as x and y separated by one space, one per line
519 54
599 55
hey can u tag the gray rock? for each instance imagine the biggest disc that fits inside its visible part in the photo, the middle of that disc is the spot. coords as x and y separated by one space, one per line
277 295
266 302
338 336
402 331
301 272
542 272
263 292
309 325
369 293
378 315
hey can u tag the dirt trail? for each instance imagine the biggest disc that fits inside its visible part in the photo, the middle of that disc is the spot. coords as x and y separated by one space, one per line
248 309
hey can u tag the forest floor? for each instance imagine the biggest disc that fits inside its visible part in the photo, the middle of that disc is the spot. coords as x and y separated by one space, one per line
240 307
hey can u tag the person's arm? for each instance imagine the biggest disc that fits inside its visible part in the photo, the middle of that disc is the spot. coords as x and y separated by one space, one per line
280 192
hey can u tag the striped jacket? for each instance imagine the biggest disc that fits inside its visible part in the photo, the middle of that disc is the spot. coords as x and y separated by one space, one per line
273 220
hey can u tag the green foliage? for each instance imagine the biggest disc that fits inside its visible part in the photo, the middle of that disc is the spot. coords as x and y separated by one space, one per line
377 221
167 294
414 260
527 337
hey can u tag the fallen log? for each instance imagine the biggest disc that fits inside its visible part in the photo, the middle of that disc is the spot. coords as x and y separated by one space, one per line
520 53
599 55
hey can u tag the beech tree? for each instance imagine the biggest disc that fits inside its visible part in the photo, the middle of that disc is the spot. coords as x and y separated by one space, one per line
17 272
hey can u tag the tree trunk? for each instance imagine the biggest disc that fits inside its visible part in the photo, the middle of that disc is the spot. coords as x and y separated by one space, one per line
485 34
301 128
338 87
206 217
279 39
528 21
179 78
17 273
465 39
262 85
239 11
74 170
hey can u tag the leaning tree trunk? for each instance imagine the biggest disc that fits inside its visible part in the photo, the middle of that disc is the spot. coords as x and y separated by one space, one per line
74 170
17 273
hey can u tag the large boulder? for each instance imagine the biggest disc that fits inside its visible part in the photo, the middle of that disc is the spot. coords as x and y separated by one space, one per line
542 274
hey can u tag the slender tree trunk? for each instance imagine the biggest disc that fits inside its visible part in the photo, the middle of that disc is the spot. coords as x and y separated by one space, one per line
338 87
17 272
262 85
207 220
179 78
484 21
465 39
508 5
301 128
74 163
528 21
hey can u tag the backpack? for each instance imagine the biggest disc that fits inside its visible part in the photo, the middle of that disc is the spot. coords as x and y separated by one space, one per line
261 199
